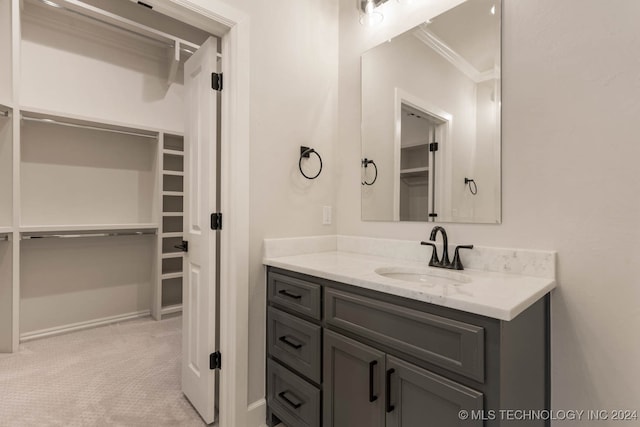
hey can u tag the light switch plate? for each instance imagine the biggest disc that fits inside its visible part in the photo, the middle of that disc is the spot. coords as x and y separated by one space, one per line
326 215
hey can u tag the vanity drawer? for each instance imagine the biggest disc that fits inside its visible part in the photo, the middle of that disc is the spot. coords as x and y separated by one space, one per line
295 342
292 399
451 344
294 294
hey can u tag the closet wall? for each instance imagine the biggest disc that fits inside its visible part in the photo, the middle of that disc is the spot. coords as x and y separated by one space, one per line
96 70
100 170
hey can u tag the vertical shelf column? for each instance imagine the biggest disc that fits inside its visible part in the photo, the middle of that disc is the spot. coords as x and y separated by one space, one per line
168 296
7 241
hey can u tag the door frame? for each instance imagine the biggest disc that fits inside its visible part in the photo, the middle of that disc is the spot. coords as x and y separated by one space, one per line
232 25
443 178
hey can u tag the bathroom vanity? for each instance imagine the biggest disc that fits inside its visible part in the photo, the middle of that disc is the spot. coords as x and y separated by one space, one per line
350 344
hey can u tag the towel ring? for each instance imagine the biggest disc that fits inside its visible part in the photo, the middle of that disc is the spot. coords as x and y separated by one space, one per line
365 163
305 152
472 185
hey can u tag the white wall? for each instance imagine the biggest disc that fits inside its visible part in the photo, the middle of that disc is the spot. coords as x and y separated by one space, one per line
570 151
66 281
85 63
484 166
293 102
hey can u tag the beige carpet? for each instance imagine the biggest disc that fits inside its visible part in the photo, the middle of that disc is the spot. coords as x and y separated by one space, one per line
126 374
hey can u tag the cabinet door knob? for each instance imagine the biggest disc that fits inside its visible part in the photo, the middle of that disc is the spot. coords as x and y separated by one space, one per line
389 406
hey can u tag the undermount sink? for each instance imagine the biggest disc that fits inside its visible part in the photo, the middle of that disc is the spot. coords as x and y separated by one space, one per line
428 276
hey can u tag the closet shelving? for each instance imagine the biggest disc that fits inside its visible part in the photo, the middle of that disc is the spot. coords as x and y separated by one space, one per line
172 223
414 169
91 167
6 169
6 210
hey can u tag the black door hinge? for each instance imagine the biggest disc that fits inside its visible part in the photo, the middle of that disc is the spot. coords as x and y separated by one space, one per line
433 146
184 246
216 81
215 360
216 221
433 215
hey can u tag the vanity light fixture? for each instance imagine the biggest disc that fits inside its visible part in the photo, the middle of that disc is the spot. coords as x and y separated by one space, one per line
369 16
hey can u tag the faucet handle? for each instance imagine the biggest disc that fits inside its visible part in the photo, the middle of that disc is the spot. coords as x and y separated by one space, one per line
456 263
434 254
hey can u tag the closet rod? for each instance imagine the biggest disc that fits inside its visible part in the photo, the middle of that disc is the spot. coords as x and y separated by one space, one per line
4 238
4 113
77 125
74 236
143 32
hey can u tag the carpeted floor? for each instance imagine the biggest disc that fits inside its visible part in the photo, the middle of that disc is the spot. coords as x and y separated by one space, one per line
125 374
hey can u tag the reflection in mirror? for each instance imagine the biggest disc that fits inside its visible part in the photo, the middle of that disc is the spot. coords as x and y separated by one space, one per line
431 120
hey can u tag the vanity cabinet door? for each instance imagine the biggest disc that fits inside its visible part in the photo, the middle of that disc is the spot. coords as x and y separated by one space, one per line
353 390
420 398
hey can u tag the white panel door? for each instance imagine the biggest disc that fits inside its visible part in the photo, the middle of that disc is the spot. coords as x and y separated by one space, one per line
199 279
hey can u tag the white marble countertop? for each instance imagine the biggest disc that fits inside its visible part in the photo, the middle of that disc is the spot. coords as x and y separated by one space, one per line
499 295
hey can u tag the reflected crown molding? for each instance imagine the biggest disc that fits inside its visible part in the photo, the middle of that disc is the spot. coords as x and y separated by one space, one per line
423 34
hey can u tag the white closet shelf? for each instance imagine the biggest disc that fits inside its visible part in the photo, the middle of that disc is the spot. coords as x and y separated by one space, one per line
173 214
5 110
414 170
173 193
180 234
173 255
87 228
6 230
413 180
173 173
177 275
173 152
170 309
72 120
415 144
124 24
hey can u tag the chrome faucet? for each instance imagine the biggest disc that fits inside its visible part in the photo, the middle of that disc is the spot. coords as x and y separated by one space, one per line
456 264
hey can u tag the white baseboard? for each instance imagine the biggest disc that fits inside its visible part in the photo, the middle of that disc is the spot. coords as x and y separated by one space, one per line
257 414
58 330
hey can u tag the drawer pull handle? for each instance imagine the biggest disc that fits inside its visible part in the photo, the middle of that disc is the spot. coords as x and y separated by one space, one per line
291 403
372 365
390 407
289 294
285 340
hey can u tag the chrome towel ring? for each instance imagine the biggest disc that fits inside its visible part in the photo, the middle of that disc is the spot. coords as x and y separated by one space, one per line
366 162
305 152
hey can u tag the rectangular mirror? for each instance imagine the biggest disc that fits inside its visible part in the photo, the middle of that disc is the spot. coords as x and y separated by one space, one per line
431 107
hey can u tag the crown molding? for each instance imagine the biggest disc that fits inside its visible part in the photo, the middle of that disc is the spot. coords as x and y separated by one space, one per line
423 34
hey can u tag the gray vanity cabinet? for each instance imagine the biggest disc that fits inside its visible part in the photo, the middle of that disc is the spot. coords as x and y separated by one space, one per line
418 397
353 383
364 387
344 356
